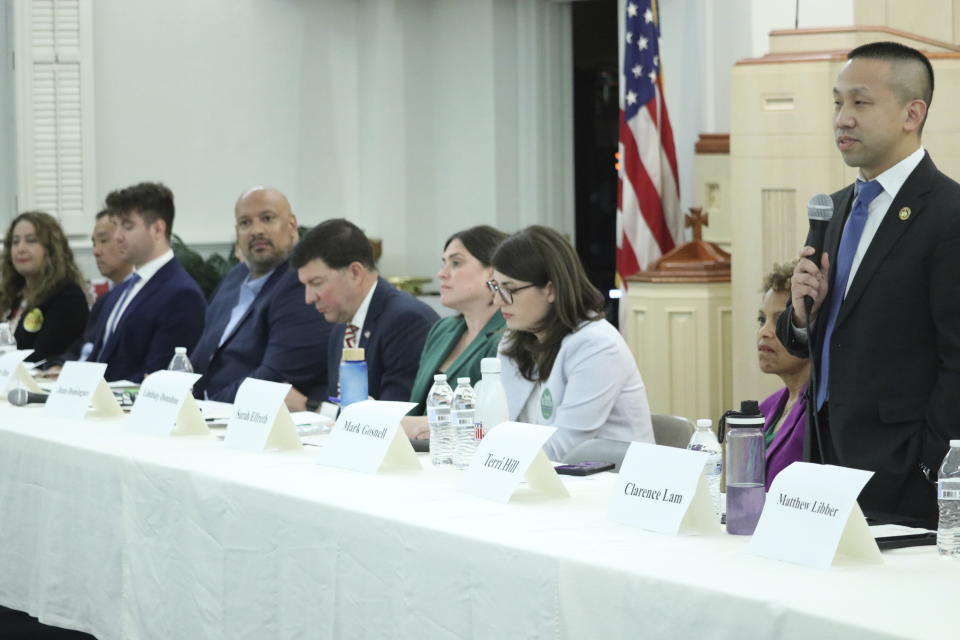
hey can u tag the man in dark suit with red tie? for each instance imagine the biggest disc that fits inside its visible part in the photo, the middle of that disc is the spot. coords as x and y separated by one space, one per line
159 307
334 261
884 332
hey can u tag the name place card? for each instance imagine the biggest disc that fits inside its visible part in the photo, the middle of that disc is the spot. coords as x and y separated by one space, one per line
811 516
663 489
13 373
260 419
79 387
367 437
165 406
511 452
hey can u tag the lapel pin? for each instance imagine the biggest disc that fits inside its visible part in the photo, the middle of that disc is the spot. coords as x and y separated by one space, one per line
366 334
905 213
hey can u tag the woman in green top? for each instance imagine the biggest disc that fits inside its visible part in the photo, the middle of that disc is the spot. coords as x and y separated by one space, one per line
455 345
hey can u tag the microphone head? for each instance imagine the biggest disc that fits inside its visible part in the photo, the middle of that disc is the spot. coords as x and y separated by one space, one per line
18 397
820 208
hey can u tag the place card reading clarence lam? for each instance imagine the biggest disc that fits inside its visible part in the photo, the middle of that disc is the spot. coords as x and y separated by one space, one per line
811 516
507 454
663 489
80 386
165 406
260 418
368 438
13 373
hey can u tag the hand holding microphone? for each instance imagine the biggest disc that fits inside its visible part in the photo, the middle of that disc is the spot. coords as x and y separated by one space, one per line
809 283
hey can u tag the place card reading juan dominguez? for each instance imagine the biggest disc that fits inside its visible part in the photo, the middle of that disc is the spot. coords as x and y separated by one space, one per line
260 419
509 453
12 372
165 405
368 438
811 515
663 489
79 386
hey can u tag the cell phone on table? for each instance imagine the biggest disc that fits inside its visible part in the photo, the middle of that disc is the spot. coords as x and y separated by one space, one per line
584 468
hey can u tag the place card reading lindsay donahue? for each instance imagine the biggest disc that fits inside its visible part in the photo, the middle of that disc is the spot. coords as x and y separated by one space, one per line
165 406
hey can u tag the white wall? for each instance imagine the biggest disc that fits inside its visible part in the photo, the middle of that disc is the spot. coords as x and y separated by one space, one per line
413 118
770 15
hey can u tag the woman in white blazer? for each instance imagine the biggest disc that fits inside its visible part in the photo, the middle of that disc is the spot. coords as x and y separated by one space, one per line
563 364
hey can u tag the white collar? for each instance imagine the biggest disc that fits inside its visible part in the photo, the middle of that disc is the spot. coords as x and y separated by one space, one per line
150 269
893 178
360 315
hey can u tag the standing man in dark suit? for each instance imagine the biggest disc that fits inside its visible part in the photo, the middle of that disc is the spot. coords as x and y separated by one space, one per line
257 324
334 260
884 332
160 306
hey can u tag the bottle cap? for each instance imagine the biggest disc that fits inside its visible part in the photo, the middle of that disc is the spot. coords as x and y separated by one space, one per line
704 422
440 377
179 350
352 355
490 365
463 380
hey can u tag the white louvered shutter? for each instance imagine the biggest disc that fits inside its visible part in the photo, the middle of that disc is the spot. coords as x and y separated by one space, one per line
55 110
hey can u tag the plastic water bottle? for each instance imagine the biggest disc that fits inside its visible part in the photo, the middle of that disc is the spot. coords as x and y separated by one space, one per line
439 401
746 468
7 342
491 398
180 361
703 439
948 497
462 416
354 384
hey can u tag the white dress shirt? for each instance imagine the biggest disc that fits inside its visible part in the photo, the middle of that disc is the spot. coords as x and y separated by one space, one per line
360 315
145 272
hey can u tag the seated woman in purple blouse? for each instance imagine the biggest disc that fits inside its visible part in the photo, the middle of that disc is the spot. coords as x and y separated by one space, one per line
786 410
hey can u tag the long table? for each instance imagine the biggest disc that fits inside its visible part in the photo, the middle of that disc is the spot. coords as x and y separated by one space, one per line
127 536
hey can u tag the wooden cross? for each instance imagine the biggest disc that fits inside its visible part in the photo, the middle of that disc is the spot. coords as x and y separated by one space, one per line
696 220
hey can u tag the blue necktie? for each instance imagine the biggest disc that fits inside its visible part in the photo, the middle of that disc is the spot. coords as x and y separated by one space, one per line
121 300
852 231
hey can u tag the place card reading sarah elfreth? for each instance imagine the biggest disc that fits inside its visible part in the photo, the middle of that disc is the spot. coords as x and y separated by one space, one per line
165 406
509 453
663 489
367 437
260 418
811 516
13 373
79 387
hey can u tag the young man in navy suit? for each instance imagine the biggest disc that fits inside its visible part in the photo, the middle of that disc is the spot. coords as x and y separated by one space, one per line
159 307
334 261
884 332
257 325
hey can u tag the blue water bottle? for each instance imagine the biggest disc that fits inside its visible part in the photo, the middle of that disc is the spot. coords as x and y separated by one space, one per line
353 377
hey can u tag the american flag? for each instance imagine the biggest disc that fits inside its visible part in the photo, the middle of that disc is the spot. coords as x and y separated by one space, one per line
649 218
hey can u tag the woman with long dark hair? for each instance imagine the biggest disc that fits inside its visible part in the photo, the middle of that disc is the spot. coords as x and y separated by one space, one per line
563 364
41 293
456 344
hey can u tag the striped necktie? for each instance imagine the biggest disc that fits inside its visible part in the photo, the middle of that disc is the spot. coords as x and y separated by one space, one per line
350 336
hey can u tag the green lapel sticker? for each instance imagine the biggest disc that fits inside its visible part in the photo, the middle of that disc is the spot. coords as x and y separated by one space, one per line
546 404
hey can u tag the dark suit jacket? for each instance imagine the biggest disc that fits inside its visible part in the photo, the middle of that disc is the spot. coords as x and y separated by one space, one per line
167 313
393 334
64 314
280 338
894 384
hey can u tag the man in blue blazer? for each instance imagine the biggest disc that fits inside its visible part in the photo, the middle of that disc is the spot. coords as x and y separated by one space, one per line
257 323
334 260
159 307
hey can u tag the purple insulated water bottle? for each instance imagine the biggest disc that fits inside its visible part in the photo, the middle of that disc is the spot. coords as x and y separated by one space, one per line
745 466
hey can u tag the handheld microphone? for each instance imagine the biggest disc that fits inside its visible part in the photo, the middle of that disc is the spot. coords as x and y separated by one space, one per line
20 397
819 212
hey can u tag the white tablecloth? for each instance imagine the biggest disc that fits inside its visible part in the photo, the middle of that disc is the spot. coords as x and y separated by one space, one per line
132 537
